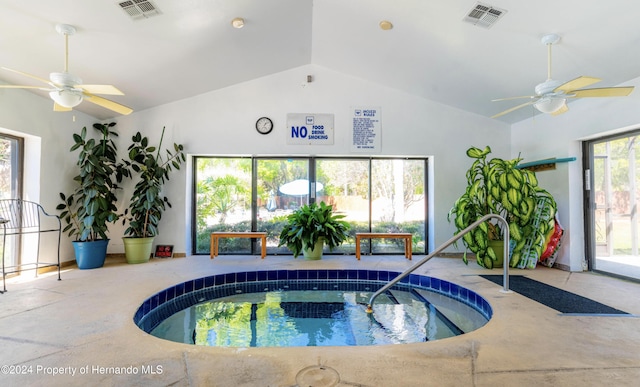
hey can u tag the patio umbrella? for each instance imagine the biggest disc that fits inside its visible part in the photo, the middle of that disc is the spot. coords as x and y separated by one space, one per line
298 187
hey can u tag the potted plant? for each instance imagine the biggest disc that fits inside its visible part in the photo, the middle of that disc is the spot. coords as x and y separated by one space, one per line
147 203
497 186
310 227
91 206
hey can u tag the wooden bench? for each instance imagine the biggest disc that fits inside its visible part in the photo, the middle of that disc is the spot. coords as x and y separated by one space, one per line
215 236
370 235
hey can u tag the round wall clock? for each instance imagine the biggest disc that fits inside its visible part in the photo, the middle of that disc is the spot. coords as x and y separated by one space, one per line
264 125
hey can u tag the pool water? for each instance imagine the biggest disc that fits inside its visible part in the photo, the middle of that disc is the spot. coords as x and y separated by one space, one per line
310 308
285 318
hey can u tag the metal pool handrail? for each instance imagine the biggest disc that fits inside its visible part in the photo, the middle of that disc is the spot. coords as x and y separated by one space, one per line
505 234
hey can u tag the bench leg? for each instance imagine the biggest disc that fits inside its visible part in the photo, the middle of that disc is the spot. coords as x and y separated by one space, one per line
214 246
406 248
264 247
358 248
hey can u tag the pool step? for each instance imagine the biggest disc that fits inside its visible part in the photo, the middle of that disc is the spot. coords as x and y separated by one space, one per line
465 317
453 327
425 316
403 318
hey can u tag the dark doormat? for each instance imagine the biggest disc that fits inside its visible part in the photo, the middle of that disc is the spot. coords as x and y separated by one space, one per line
558 299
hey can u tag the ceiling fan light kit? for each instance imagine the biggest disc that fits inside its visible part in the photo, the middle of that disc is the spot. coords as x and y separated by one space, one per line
549 105
551 95
68 98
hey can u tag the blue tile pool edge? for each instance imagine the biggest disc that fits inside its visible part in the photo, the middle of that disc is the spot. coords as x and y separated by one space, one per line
189 293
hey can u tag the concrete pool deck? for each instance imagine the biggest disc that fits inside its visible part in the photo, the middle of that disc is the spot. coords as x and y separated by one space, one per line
83 324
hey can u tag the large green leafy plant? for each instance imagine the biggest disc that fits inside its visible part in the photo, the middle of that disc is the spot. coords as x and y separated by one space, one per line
91 206
496 186
147 202
311 222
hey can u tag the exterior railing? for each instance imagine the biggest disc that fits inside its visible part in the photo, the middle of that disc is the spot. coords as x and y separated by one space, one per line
505 234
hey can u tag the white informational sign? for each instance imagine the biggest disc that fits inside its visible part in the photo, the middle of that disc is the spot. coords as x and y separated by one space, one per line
367 130
309 129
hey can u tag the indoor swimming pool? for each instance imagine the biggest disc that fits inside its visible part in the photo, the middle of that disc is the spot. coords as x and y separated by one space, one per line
282 308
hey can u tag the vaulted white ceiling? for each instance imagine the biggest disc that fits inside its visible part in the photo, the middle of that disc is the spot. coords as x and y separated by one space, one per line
190 47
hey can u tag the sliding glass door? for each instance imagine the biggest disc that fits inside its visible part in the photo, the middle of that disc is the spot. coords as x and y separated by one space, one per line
612 196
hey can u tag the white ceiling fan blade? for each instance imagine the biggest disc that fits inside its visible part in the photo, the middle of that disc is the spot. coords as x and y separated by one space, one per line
24 87
577 83
512 109
603 92
100 89
105 103
27 75
59 108
510 98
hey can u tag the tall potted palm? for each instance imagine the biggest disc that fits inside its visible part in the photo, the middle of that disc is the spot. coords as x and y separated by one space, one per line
89 209
147 203
312 226
497 186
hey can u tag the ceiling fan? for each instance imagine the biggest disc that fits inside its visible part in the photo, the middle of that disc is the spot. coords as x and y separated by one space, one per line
67 90
551 95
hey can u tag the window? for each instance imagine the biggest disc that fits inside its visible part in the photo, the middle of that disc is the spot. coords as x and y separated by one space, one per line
10 166
11 150
258 193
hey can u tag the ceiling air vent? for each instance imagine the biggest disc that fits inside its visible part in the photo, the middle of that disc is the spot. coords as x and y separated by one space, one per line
139 9
484 15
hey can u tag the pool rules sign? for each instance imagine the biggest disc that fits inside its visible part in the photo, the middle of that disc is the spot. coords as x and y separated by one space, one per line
366 130
310 129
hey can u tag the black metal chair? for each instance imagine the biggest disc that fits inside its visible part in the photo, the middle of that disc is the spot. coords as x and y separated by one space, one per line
21 217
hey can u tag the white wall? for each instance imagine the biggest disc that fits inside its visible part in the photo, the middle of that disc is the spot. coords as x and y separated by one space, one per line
49 167
223 123
561 136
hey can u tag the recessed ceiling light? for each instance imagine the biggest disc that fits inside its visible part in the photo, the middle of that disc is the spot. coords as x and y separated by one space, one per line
386 25
237 22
